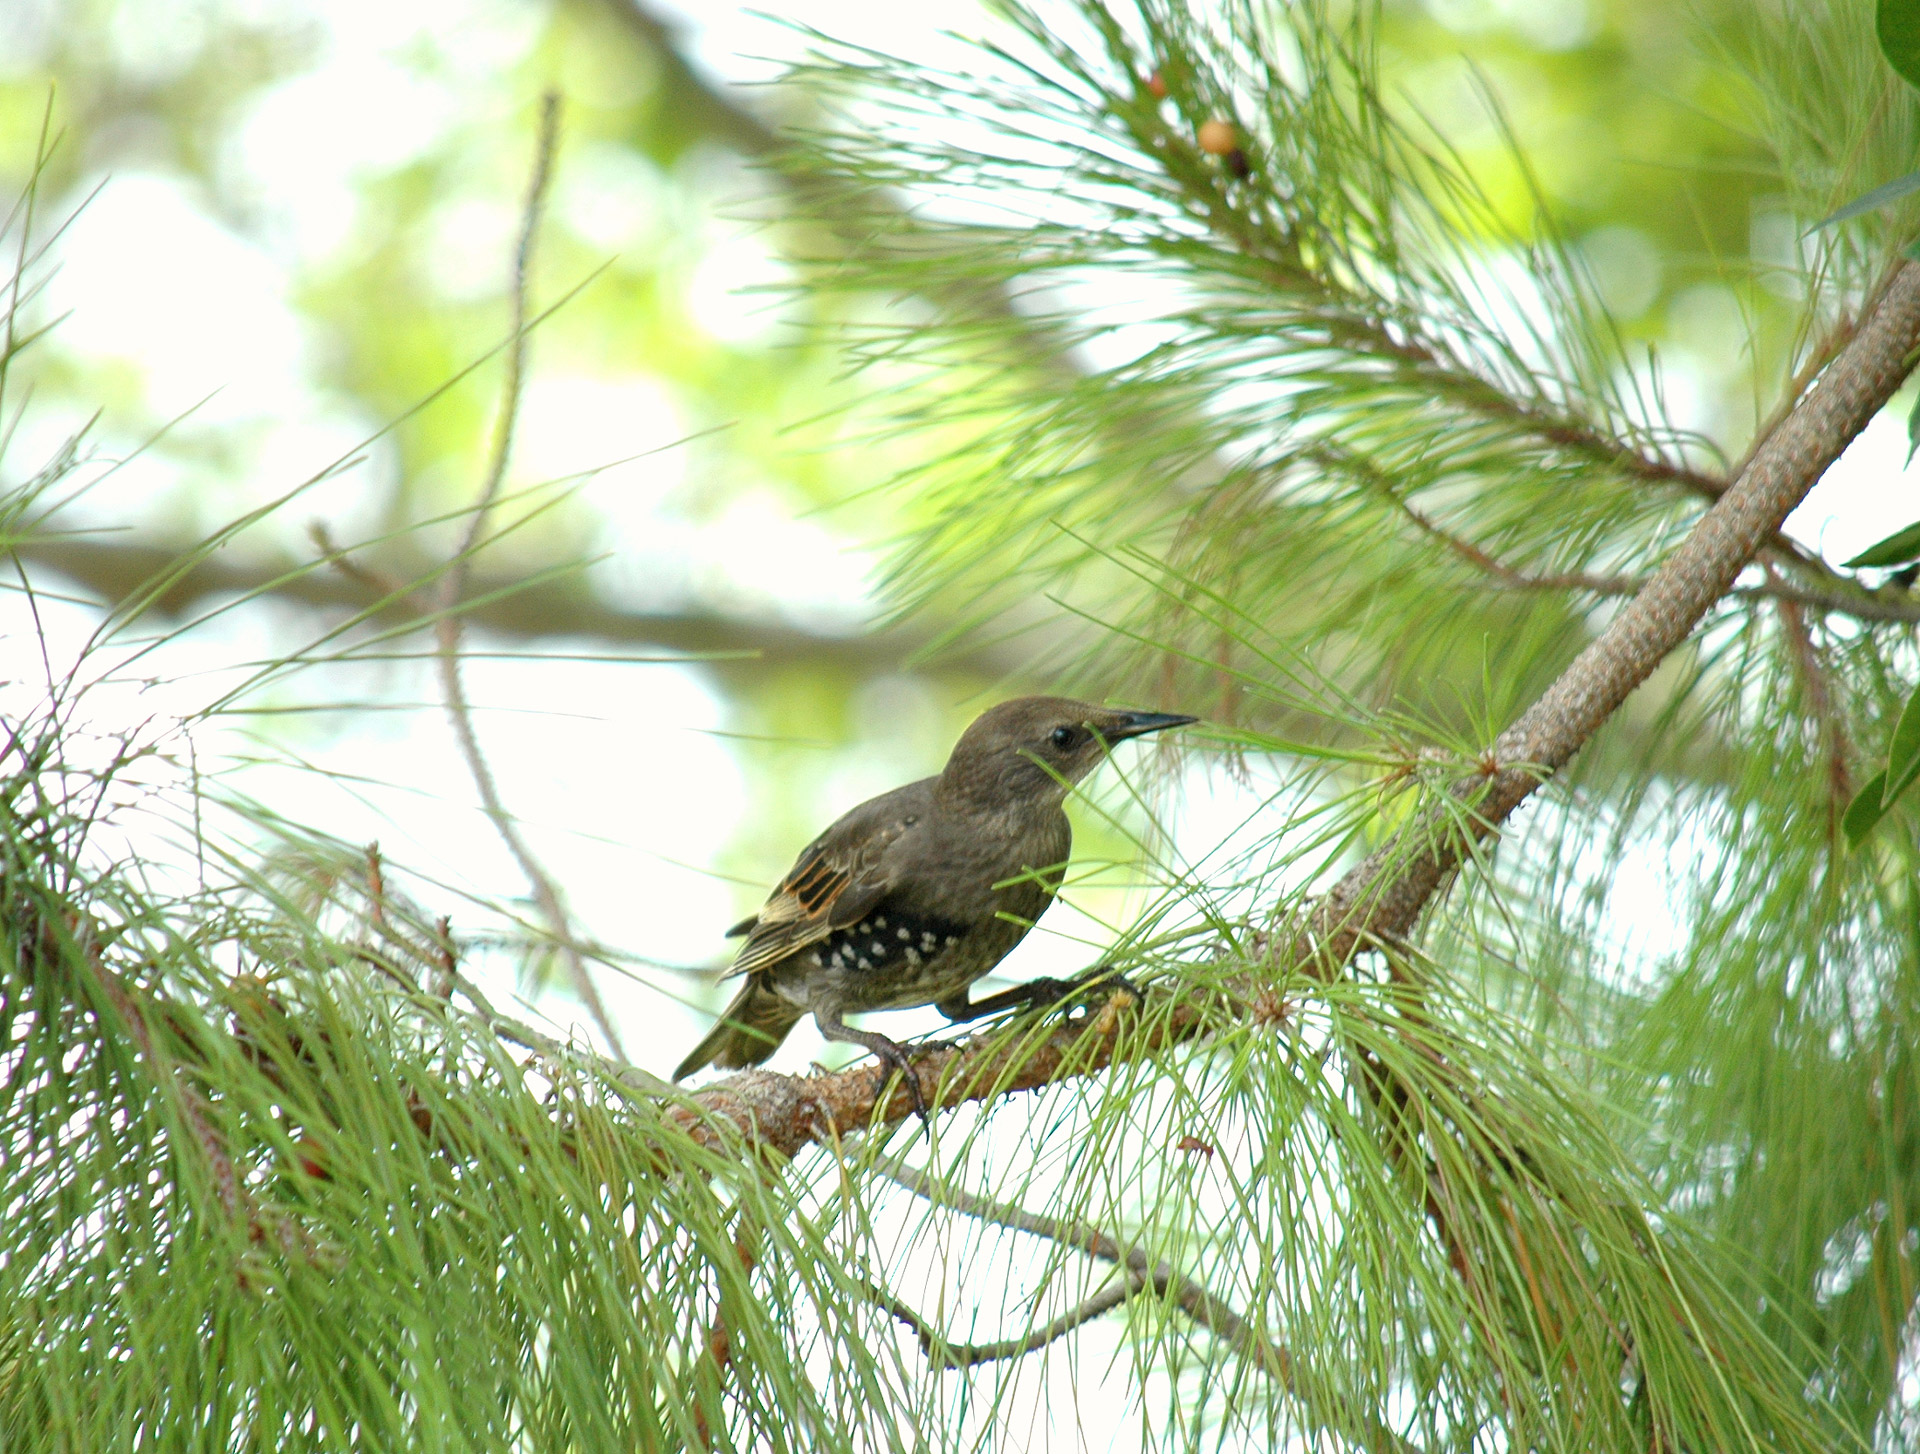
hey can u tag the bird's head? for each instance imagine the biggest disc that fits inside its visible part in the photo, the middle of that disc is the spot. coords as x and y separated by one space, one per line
1034 748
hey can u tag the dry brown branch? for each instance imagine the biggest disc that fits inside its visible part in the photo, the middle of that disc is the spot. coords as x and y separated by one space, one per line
943 1355
1380 900
507 605
447 623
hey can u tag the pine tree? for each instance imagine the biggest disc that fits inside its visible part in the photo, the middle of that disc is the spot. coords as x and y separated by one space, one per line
1424 1131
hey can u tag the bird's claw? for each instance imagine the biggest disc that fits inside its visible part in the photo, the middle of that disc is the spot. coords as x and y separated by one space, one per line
896 1060
1105 982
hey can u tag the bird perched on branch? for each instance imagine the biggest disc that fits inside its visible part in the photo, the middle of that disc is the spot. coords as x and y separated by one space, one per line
915 894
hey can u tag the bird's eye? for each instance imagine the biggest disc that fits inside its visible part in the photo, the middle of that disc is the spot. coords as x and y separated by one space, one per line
1063 736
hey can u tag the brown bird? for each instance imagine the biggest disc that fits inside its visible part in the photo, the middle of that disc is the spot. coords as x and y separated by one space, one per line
915 894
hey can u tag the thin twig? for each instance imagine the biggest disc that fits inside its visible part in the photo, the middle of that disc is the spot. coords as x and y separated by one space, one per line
1509 575
1860 603
448 956
1814 681
941 1354
1189 1296
1143 1273
718 1355
447 624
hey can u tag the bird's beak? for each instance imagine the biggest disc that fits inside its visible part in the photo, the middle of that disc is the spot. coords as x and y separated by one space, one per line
1138 724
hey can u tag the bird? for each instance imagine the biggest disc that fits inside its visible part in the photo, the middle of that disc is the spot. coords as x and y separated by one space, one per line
909 898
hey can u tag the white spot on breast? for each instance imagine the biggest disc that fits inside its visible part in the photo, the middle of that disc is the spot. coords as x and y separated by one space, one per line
952 939
904 932
815 958
927 942
880 921
913 956
863 963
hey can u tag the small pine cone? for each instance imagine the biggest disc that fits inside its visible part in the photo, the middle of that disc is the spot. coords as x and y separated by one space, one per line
1218 138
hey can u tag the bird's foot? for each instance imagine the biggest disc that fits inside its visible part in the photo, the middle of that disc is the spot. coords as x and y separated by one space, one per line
1104 981
892 1058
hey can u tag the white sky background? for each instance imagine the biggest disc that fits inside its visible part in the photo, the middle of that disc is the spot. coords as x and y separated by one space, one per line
621 772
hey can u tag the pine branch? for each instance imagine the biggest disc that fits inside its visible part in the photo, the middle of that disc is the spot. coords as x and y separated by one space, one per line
509 605
630 1080
1382 897
1380 900
1863 606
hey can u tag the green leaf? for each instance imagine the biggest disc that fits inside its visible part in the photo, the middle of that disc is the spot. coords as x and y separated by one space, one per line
1881 196
1866 809
1898 548
1898 26
1903 753
1913 429
1870 805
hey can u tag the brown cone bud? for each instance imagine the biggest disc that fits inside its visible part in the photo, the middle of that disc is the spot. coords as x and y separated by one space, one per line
1157 86
1218 138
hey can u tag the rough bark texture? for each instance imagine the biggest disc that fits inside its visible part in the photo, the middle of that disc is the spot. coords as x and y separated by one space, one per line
1382 897
786 1113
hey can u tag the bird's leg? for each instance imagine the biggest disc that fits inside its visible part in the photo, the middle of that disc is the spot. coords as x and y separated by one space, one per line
888 1052
1035 993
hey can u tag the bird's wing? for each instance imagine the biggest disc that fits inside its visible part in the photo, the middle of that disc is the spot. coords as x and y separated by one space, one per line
838 881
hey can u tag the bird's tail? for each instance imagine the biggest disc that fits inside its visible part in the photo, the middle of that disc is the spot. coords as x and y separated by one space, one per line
750 1031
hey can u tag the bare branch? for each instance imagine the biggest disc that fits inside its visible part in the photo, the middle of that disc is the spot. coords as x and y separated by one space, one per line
942 1354
1843 596
1142 1271
845 212
447 624
508 605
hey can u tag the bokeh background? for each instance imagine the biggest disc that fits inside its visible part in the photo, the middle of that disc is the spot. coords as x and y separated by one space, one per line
284 231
